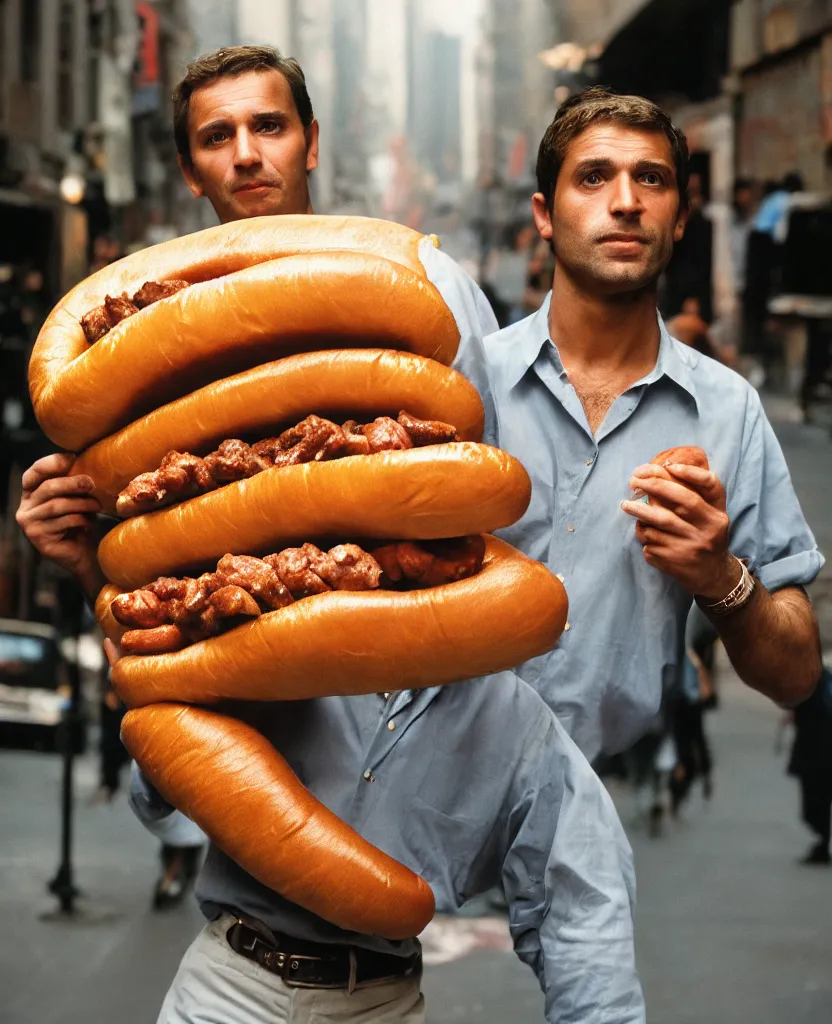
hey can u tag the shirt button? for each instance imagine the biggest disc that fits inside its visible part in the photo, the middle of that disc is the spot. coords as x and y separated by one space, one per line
570 528
368 775
391 725
559 576
567 627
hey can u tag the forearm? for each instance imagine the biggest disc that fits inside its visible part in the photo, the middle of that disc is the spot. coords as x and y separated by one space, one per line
773 643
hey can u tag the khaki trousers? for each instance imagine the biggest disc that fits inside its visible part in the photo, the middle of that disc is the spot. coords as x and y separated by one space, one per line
215 985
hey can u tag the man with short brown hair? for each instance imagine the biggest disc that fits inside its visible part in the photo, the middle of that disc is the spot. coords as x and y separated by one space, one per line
588 390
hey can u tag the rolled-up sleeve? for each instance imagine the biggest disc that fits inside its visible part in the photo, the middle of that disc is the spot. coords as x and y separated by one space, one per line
570 885
158 816
767 523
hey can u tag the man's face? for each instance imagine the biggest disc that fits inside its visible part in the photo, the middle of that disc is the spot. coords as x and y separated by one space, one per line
250 153
615 213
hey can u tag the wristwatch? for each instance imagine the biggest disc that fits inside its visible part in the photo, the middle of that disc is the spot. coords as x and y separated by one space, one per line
737 598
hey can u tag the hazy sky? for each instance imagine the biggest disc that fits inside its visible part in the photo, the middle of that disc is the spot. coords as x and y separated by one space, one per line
453 16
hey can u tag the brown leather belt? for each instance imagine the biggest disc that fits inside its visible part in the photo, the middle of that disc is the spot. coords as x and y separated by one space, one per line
304 964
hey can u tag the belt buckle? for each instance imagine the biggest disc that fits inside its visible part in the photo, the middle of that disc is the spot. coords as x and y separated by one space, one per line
291 962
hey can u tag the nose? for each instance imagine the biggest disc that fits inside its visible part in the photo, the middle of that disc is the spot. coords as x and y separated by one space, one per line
246 150
624 197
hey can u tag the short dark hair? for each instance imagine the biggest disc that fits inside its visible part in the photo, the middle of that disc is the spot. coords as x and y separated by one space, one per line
229 62
600 105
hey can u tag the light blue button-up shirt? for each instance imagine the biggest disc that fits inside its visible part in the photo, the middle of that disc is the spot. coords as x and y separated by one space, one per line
470 785
605 677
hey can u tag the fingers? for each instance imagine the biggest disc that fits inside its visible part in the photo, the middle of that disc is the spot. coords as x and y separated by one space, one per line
49 466
63 523
648 470
656 516
59 507
677 497
703 481
57 487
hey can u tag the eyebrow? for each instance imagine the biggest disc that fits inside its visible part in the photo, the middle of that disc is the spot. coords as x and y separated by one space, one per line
223 122
606 164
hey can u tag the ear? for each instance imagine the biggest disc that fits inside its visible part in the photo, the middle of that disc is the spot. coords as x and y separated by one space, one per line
542 216
191 178
681 223
312 145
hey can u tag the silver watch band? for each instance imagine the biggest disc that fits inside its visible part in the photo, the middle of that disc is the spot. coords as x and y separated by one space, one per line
738 597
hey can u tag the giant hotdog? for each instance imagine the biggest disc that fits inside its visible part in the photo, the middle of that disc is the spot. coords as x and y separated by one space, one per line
338 322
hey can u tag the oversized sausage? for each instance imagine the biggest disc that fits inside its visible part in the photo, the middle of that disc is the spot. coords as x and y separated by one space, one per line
224 775
360 383
349 643
224 326
447 490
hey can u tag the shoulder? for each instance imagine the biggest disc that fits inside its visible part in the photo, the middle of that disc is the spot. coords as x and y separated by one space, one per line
459 290
721 393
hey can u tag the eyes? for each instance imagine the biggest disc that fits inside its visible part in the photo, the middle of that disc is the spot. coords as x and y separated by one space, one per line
268 126
653 179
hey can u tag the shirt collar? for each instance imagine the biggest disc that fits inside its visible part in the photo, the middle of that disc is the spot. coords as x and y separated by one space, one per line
674 359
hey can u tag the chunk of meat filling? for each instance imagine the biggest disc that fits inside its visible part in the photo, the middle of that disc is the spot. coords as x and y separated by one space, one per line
294 567
386 435
315 439
431 563
244 586
179 476
141 609
426 432
256 576
344 567
102 319
153 291
233 460
95 324
228 602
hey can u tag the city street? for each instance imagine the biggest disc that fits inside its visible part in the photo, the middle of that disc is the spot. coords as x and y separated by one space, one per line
730 930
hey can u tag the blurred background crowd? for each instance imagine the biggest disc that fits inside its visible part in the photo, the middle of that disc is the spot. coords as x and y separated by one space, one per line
430 114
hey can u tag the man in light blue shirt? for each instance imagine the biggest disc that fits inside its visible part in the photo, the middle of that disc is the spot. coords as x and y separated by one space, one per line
588 390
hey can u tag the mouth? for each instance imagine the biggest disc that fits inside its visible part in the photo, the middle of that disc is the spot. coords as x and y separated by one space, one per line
623 238
254 187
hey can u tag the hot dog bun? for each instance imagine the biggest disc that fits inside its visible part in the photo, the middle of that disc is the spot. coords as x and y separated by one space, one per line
295 304
224 775
348 643
447 490
337 385
221 250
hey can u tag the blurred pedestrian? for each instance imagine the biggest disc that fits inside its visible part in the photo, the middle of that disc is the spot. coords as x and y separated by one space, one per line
689 328
689 272
587 390
811 764
696 694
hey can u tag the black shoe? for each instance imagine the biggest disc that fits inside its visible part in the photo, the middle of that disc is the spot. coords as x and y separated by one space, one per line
819 854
